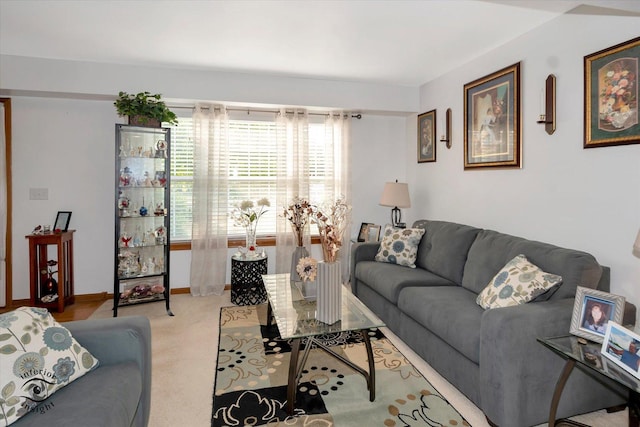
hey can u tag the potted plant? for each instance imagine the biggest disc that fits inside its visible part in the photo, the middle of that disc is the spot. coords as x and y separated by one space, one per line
144 109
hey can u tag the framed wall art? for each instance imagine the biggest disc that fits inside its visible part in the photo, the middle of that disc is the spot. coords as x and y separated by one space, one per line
593 310
492 122
427 137
62 220
611 96
622 347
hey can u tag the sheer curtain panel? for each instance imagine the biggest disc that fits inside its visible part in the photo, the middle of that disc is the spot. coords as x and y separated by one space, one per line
292 134
210 201
3 210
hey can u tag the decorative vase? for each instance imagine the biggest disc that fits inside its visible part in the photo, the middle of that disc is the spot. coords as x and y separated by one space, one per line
298 253
329 292
250 240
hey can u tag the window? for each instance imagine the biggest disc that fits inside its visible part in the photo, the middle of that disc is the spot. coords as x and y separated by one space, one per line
253 167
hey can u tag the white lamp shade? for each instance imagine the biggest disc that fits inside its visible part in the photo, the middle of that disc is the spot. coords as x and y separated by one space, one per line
636 245
396 194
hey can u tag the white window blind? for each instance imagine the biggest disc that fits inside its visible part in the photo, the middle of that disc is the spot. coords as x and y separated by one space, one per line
253 163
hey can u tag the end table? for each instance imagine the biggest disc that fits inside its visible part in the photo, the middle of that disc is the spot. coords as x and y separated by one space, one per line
247 287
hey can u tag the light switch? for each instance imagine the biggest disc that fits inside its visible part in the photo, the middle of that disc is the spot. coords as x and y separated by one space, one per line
38 194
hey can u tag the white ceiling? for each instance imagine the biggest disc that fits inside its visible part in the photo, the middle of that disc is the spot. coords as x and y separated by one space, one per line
391 42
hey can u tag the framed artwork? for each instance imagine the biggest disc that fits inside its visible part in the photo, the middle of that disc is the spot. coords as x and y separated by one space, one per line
427 137
62 221
622 347
593 310
492 122
364 229
373 233
611 96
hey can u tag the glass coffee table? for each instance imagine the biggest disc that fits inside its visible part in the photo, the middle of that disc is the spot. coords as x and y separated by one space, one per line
295 318
589 358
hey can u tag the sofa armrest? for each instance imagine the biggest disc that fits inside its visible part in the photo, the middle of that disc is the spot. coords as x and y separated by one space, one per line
361 251
116 340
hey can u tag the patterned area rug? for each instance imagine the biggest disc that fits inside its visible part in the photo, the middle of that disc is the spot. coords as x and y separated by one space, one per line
251 381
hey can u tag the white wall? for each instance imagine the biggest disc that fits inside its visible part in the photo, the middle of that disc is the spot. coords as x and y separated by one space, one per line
564 194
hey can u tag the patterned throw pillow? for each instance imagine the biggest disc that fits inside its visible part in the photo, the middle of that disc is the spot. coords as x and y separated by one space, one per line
400 246
37 357
517 283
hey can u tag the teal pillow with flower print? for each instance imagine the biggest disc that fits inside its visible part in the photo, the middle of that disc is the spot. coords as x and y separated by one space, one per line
37 357
517 283
400 245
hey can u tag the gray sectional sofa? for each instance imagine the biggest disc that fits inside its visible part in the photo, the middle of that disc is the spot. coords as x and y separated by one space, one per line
491 356
115 394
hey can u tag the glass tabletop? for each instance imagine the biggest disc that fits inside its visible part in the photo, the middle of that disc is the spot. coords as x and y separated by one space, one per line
296 316
589 356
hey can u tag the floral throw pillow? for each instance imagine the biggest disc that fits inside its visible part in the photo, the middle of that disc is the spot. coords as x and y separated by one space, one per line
400 245
517 283
37 357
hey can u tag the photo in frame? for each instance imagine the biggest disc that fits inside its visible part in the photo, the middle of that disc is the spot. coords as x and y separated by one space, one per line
593 310
427 137
364 230
492 122
622 347
611 115
373 233
62 221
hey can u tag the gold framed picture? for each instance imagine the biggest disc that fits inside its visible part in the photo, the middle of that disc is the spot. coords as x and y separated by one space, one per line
427 137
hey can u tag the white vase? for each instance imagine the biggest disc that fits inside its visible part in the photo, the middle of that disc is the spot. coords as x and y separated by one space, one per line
329 292
298 253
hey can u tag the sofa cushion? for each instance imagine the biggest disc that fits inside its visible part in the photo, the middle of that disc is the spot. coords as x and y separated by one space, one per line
389 279
38 356
443 249
450 312
399 246
106 397
517 283
492 250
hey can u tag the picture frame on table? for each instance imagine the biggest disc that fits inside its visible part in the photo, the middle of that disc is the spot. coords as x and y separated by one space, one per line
373 233
62 221
593 310
611 113
364 230
492 120
622 347
427 137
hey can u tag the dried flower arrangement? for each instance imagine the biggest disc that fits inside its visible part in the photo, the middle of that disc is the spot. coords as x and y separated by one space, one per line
332 220
298 213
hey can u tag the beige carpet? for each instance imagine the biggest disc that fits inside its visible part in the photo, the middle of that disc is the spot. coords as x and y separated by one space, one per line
185 348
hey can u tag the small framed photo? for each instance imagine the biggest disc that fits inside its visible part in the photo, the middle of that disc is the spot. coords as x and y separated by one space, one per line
427 137
611 114
593 310
362 235
373 233
622 347
62 221
492 136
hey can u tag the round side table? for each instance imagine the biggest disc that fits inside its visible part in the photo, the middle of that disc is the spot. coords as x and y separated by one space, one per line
247 287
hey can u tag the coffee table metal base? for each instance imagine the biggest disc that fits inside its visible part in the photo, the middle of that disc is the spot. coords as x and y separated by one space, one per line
295 367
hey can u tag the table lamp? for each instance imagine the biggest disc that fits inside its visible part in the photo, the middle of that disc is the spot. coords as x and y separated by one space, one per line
636 245
396 195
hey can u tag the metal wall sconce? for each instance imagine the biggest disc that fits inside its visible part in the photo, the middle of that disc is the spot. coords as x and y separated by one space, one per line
446 137
549 116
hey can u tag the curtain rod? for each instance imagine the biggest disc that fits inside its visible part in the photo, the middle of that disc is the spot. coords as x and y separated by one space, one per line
248 110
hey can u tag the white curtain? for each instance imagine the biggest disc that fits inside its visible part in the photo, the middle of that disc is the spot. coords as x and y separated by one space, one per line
3 210
292 134
337 150
210 204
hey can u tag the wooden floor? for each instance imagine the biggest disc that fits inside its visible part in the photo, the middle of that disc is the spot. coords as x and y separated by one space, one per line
75 311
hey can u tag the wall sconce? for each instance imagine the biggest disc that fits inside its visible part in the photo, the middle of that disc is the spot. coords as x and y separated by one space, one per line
549 116
396 194
446 137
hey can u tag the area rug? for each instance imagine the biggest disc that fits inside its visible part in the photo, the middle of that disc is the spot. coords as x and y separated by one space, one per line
251 381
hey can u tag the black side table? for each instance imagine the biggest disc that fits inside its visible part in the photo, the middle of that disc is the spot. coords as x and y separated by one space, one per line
247 287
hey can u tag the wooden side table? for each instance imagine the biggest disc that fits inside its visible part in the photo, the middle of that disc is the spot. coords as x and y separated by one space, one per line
247 287
38 268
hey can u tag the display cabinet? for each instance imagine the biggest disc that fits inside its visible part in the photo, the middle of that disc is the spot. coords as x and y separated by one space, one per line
141 265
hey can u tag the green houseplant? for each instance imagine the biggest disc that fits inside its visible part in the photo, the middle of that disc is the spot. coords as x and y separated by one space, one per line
144 109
